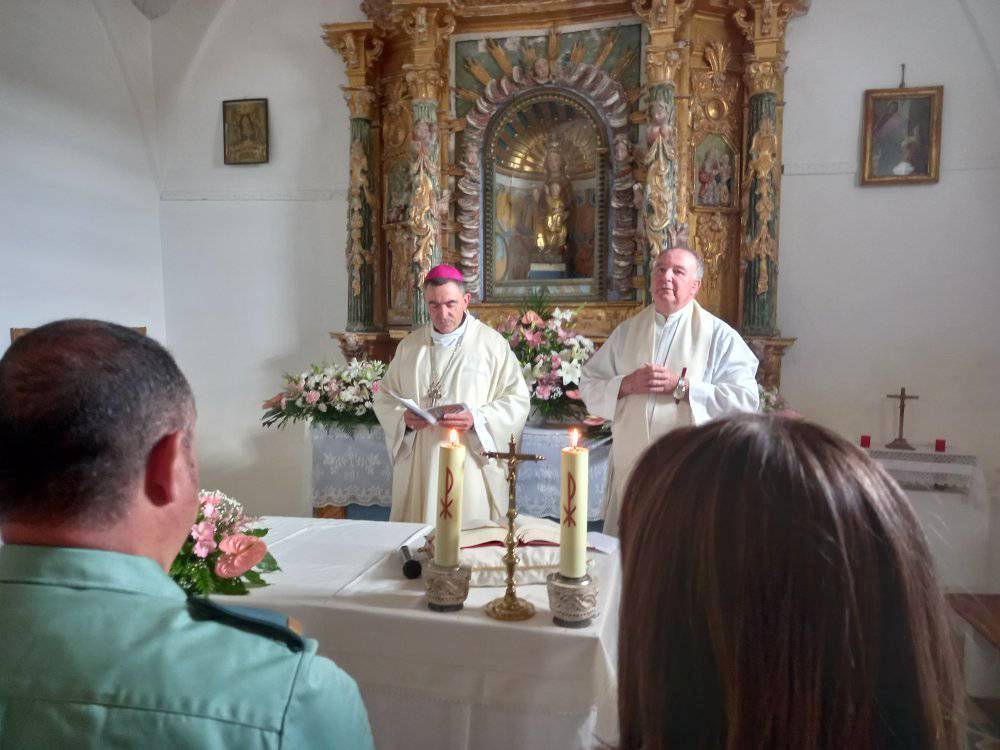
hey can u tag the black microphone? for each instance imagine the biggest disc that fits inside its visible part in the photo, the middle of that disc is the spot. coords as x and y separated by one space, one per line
411 567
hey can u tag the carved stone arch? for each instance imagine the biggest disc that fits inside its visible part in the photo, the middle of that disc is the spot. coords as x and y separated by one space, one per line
607 99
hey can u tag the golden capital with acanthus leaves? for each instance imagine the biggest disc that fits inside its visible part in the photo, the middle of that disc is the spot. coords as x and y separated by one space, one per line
425 82
427 25
662 13
662 65
766 19
358 44
764 75
360 100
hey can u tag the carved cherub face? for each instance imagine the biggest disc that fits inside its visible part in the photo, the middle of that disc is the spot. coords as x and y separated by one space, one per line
541 68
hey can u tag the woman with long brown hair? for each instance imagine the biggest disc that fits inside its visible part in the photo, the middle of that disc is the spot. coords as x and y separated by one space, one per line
778 593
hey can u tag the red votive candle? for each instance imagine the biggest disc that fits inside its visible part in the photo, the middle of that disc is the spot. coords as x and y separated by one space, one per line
939 445
866 441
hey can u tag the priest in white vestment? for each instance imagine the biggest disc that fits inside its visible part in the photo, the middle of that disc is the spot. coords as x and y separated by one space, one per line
672 364
453 360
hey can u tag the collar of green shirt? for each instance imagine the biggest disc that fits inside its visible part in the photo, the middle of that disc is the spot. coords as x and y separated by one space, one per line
72 567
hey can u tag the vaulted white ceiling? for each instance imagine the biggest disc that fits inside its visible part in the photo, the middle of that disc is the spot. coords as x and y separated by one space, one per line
153 8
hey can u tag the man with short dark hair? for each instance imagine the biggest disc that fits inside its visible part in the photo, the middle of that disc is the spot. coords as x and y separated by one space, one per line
453 360
670 365
98 646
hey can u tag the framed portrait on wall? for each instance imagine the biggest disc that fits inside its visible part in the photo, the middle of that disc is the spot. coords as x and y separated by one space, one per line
901 138
244 131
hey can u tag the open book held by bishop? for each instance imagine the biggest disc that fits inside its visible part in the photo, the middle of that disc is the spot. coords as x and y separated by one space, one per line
671 365
453 360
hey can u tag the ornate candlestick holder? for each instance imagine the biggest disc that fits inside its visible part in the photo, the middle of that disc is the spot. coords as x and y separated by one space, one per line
573 601
447 586
509 607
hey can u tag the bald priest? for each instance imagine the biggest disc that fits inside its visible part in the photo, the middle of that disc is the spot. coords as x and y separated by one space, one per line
671 365
454 360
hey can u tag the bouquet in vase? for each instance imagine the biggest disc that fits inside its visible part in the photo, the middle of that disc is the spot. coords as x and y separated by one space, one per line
552 355
223 554
338 396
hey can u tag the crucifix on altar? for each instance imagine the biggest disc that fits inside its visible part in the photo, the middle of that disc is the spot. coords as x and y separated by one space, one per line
509 606
900 443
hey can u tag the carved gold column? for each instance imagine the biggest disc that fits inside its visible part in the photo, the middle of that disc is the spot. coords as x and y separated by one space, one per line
763 23
663 212
427 26
360 48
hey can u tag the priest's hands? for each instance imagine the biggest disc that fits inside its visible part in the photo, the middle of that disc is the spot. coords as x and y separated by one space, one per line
457 420
649 378
414 421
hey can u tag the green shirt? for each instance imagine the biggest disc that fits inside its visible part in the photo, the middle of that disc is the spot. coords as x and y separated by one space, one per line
102 650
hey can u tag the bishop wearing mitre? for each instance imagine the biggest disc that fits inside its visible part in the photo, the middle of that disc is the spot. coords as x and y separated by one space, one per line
672 364
454 360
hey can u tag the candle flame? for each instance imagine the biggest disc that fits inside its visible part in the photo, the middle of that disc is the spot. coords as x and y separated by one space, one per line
453 436
574 437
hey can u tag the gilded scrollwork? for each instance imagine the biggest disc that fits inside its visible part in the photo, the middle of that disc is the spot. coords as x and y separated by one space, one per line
361 208
763 174
715 96
711 244
396 117
659 160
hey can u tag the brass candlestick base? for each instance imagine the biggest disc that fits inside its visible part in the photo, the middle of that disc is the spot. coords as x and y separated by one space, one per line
511 610
573 601
509 607
447 586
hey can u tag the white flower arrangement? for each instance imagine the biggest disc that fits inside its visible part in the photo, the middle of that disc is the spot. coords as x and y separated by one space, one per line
338 396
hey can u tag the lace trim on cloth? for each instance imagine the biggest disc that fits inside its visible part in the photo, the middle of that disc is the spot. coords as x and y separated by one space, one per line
934 472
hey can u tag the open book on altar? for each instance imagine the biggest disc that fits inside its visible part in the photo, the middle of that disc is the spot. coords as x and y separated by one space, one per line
483 547
431 415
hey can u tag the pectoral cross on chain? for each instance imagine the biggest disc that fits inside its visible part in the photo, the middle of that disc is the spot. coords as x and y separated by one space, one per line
900 443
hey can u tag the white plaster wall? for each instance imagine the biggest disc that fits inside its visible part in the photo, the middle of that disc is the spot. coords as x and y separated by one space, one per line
253 256
78 195
897 286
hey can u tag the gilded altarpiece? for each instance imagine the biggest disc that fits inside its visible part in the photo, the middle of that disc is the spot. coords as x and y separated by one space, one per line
561 145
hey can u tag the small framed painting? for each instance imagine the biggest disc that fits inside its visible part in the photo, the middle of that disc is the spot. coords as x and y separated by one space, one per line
716 171
901 141
244 131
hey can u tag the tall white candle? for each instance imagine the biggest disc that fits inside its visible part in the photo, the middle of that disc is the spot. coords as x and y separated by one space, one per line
573 509
451 474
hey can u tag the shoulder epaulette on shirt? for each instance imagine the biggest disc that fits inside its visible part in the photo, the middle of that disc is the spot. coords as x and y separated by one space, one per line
250 619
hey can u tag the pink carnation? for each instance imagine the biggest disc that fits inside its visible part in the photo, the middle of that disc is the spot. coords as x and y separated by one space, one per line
312 397
543 390
573 394
533 338
204 538
240 553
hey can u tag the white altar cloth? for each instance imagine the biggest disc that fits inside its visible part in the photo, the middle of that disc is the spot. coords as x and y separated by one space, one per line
454 680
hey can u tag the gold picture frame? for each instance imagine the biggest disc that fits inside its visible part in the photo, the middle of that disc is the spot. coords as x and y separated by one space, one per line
901 137
245 131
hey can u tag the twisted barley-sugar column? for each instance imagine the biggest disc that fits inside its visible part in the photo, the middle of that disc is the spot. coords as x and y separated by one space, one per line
360 48
360 215
761 196
426 28
663 19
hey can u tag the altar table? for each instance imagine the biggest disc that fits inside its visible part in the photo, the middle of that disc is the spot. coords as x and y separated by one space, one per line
444 680
356 470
